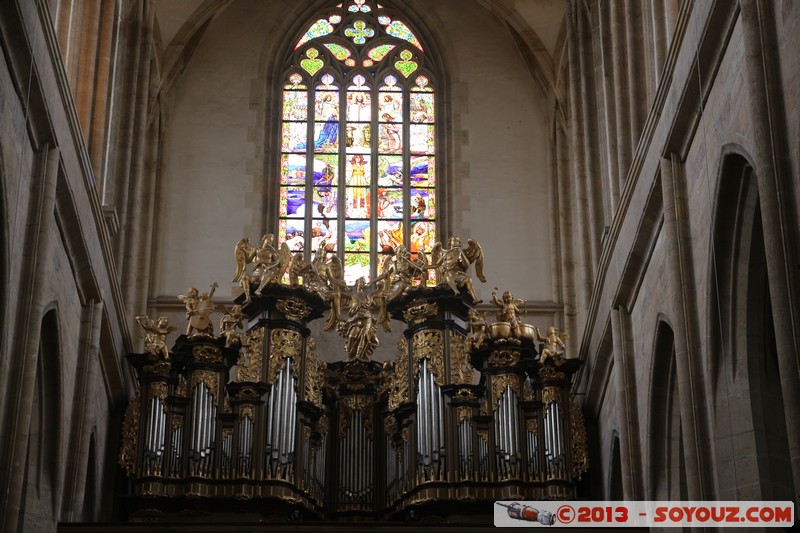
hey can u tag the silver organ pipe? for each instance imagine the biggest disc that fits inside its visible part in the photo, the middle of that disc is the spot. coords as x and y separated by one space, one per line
465 451
430 426
483 448
281 420
176 447
506 426
245 448
203 426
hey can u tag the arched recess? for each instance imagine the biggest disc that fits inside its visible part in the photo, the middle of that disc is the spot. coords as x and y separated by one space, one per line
614 491
363 127
666 452
40 490
751 439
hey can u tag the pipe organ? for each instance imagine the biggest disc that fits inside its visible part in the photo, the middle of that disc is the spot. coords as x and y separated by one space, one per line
263 426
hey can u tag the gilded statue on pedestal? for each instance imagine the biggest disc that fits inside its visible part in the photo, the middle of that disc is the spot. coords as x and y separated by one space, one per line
452 265
509 308
198 310
155 335
553 343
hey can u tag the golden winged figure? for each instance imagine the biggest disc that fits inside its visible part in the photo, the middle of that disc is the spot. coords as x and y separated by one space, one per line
244 252
155 335
553 343
452 265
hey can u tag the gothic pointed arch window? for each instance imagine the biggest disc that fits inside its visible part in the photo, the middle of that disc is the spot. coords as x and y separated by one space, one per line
358 151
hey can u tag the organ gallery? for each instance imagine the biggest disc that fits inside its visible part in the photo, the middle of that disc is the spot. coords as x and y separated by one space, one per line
470 409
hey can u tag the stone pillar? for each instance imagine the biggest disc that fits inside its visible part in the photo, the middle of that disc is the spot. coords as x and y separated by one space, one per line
688 356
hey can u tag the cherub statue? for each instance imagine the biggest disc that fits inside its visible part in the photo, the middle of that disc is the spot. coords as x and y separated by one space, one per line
553 343
198 310
477 330
453 264
155 335
229 323
509 308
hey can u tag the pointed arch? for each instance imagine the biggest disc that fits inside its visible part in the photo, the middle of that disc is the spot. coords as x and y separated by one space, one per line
40 483
748 397
666 452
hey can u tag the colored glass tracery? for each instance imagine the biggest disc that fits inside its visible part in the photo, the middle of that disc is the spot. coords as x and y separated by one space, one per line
358 150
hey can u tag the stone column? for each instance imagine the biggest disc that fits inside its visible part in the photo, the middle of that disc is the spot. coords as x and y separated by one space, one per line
688 356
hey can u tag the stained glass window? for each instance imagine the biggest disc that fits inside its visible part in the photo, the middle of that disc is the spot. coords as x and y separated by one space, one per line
359 138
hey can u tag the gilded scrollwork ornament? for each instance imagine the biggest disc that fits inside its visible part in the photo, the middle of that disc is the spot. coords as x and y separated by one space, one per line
429 345
463 413
580 449
418 312
315 375
500 383
551 395
461 370
283 344
207 353
211 381
130 436
550 373
248 367
532 425
160 390
355 402
294 309
504 357
398 391
247 410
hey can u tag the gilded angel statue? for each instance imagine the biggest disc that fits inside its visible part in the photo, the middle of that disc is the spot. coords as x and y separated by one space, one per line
269 263
478 330
331 273
360 329
229 323
155 335
198 310
244 252
452 264
553 343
